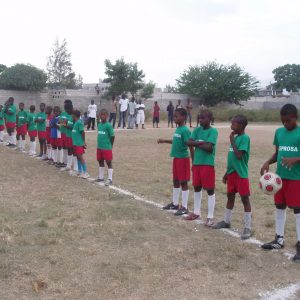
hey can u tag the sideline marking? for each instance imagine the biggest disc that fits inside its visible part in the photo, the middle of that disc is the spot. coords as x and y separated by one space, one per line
285 293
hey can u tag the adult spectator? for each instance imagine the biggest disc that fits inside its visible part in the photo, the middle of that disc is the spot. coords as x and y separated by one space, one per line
140 115
189 108
179 104
131 113
123 110
113 111
156 110
92 113
97 89
170 110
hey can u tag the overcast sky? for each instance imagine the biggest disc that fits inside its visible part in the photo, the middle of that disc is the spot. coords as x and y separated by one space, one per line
163 36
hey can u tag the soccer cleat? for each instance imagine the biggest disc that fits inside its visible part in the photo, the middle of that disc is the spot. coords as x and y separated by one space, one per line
246 234
209 222
108 182
99 180
220 225
181 211
171 206
296 258
65 169
84 175
278 243
191 217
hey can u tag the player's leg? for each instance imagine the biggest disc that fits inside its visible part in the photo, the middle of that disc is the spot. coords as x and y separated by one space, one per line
41 147
247 217
110 172
226 222
176 193
85 174
296 258
101 168
197 204
211 203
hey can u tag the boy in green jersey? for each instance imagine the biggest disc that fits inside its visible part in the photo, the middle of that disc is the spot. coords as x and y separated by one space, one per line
287 157
10 121
181 162
204 139
105 141
40 120
236 176
22 116
32 130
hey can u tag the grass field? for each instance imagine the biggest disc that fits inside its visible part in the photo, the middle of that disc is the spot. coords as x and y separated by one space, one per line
65 238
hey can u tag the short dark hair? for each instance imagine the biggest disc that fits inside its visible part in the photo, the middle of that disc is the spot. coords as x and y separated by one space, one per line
208 113
104 111
181 111
67 101
57 108
21 103
289 109
241 119
43 104
68 105
76 113
32 108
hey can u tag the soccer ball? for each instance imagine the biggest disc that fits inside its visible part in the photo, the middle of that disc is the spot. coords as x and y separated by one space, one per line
270 183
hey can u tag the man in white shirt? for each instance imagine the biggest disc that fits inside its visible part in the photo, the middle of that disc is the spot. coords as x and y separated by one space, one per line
92 113
123 102
140 115
131 113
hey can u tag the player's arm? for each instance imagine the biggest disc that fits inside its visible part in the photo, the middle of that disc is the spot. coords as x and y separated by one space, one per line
83 137
238 153
272 160
164 141
112 140
192 153
206 146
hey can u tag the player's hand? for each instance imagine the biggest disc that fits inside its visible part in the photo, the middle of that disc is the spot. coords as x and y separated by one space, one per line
225 178
231 137
85 146
265 168
288 162
160 141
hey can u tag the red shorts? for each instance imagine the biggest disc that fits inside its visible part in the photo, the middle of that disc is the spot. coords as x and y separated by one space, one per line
2 127
236 184
103 154
55 142
22 130
181 169
204 176
64 140
48 135
10 125
42 135
78 150
289 194
69 142
32 133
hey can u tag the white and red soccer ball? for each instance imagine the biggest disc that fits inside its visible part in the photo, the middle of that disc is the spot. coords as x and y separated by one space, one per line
270 183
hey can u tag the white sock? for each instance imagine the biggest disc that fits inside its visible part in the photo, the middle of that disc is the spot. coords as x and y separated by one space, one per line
34 147
185 198
9 139
298 225
1 135
247 219
197 203
19 144
228 215
280 216
61 156
55 155
176 193
65 159
211 202
110 174
23 142
101 172
30 147
49 152
13 138
75 164
69 161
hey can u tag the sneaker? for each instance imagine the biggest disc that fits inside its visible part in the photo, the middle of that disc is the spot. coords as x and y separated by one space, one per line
171 206
181 211
296 258
108 182
278 243
65 169
84 175
191 217
246 234
209 222
99 180
221 225
12 146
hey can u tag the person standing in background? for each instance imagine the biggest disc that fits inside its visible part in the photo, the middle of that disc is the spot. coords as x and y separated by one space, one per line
97 89
132 113
170 110
189 108
140 115
179 104
113 111
156 110
123 110
92 112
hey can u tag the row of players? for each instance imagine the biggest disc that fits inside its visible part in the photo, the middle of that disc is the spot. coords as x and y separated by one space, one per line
64 130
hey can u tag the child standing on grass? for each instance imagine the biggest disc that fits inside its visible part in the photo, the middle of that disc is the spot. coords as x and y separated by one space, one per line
204 139
287 156
106 137
10 121
156 110
181 163
78 140
2 127
41 128
22 117
56 142
32 130
48 131
236 176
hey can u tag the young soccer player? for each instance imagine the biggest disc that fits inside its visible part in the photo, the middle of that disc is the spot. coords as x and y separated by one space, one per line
2 127
10 121
22 117
41 129
204 139
287 157
236 175
56 141
106 137
78 140
181 163
156 110
48 131
32 130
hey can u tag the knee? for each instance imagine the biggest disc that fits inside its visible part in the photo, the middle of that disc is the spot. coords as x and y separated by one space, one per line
210 192
297 211
280 206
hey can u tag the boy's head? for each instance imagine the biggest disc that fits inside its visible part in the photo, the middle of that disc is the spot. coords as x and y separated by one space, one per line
49 110
68 107
155 102
123 96
238 124
92 102
289 116
10 100
56 111
205 118
132 99
21 106
42 107
103 115
76 115
68 101
180 116
32 108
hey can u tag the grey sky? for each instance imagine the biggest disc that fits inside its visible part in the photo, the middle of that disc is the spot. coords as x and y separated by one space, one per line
164 37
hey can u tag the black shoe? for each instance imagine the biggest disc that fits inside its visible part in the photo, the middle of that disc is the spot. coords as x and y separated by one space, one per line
296 258
171 206
278 243
221 225
181 211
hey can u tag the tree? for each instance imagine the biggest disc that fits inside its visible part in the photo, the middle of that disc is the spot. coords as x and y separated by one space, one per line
2 68
23 77
170 89
59 67
123 77
215 83
287 77
147 90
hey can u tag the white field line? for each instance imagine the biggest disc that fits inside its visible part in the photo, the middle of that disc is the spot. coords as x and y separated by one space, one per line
286 293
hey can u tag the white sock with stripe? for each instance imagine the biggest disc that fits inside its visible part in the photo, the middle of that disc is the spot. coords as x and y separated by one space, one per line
176 193
197 203
185 198
211 202
101 173
110 174
280 216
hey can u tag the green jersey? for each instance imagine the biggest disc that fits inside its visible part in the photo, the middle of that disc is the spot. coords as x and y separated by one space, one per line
179 148
70 124
234 164
1 117
22 116
105 132
77 130
11 117
202 157
62 120
41 126
31 121
288 143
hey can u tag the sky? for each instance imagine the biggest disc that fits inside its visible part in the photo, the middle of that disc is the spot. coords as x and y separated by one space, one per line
163 36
